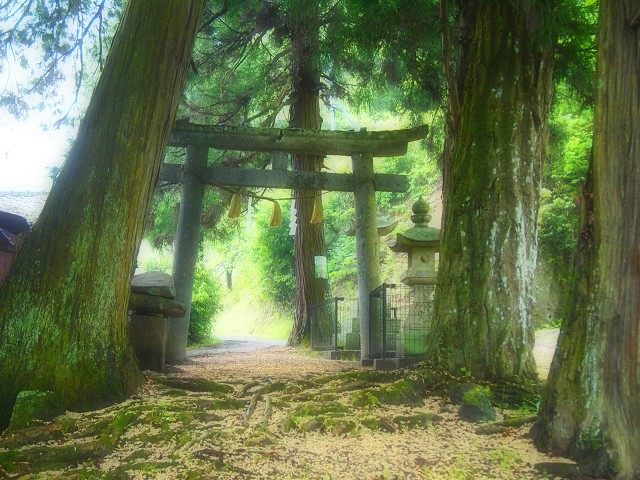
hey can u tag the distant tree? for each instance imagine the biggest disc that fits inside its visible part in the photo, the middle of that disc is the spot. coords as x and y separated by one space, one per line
63 308
591 410
268 56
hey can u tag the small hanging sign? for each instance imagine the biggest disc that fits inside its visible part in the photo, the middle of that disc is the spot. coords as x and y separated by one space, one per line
249 224
293 219
320 264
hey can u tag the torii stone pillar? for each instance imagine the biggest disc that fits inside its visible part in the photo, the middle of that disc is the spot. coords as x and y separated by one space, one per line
186 250
367 242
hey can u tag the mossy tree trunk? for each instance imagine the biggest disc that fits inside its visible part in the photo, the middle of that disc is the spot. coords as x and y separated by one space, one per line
591 411
305 113
482 321
63 308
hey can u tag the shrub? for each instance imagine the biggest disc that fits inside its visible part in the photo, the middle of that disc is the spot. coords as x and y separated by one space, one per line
206 303
274 257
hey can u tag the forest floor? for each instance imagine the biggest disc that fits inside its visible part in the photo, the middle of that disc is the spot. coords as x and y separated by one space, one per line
278 413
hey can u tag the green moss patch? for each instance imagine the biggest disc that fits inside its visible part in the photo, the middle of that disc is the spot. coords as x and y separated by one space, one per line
194 384
476 405
378 423
41 458
310 417
421 419
400 392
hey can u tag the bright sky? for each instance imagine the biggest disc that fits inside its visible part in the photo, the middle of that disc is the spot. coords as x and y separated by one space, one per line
28 146
26 150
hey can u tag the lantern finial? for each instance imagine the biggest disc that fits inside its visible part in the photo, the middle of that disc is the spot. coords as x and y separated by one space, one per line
421 213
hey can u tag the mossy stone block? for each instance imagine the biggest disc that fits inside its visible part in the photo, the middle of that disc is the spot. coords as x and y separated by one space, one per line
32 406
476 405
352 341
355 325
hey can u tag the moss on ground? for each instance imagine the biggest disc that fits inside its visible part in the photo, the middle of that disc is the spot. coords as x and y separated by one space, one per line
415 420
198 419
400 392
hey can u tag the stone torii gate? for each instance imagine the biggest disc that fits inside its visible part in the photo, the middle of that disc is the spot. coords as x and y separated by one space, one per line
195 174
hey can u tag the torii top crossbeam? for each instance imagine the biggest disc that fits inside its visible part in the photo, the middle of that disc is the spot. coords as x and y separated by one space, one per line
318 142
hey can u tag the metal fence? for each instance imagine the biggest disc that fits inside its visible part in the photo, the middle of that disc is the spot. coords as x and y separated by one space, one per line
399 320
335 324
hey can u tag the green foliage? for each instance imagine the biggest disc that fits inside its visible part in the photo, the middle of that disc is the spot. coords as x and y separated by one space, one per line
205 305
341 249
161 228
571 128
274 255
207 296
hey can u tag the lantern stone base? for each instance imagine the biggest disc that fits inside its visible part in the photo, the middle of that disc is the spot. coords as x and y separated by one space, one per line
418 277
147 333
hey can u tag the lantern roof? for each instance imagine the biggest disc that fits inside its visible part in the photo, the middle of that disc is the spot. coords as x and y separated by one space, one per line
421 234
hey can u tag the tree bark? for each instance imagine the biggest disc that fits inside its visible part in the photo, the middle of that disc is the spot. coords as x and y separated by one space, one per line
63 308
591 411
305 113
482 322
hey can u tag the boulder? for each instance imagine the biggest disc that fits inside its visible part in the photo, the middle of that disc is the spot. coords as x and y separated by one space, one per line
34 406
476 405
154 283
457 391
151 304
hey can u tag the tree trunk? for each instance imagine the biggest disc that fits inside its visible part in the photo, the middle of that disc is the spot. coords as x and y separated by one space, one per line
63 308
591 410
305 113
482 322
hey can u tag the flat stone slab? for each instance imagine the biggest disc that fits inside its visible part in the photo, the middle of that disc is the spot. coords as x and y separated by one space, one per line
384 364
366 362
352 355
151 304
154 283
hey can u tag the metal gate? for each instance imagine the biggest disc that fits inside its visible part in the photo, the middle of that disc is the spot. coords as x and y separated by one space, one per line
399 320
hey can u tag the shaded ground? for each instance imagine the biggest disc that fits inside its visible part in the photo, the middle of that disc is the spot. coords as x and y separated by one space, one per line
282 414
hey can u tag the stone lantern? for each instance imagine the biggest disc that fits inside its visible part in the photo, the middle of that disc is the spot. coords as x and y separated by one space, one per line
421 242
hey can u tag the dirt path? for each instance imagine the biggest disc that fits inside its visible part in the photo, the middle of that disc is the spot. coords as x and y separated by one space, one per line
258 411
544 349
235 345
447 449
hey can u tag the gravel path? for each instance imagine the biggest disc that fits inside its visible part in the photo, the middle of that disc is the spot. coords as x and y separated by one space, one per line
543 350
235 345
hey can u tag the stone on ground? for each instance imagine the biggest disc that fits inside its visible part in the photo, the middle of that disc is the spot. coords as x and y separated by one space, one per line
476 405
33 406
